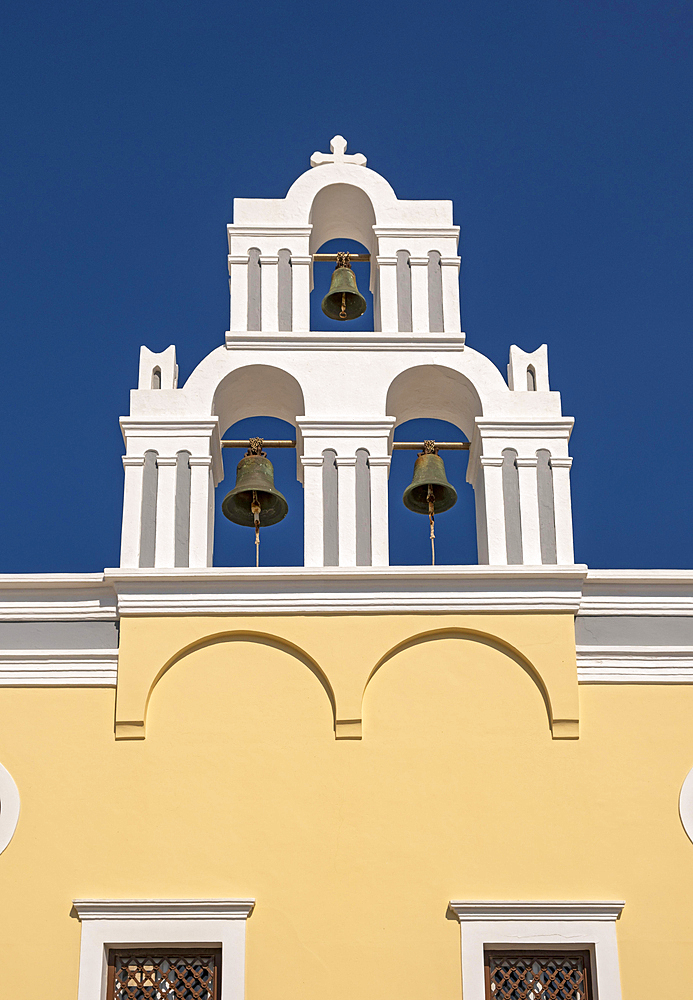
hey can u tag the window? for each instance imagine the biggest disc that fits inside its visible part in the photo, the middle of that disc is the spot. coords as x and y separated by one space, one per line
163 974
536 975
162 949
539 950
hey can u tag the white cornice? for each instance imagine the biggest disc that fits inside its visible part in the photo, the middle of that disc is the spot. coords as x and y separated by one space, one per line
638 592
305 341
241 230
411 590
163 909
56 597
635 664
611 593
58 667
536 910
411 231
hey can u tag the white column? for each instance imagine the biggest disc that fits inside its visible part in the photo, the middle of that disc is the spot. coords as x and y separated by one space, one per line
165 548
132 511
419 294
450 270
346 507
387 282
380 550
238 284
201 512
313 551
529 510
300 293
269 295
563 514
492 470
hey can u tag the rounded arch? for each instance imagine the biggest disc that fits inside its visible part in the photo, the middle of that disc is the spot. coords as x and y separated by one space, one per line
436 392
243 635
257 390
303 192
474 635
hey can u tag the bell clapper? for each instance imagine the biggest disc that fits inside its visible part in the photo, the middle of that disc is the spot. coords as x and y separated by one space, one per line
431 508
255 510
342 312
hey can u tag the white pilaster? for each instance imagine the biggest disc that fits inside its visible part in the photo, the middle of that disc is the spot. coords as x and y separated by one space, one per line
387 279
201 511
492 485
165 548
450 271
300 293
238 283
269 278
313 551
529 510
563 516
419 294
380 549
132 511
346 499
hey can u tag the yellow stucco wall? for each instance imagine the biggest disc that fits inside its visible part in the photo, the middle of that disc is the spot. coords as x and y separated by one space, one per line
352 848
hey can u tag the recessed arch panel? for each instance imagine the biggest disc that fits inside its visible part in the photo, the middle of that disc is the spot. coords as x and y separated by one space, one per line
266 639
471 635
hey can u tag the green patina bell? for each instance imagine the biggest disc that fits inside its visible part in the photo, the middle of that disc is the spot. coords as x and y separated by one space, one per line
429 471
344 300
254 484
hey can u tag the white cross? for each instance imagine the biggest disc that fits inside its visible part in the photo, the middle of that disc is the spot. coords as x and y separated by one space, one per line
338 146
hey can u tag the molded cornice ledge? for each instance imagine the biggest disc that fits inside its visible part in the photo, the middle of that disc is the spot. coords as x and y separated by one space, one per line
163 909
536 910
345 590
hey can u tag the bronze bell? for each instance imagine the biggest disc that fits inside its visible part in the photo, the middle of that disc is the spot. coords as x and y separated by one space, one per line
344 300
254 487
429 478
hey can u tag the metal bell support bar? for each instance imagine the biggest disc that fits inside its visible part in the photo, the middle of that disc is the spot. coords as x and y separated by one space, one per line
397 446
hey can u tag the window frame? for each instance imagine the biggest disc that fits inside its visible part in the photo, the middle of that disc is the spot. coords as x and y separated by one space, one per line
538 952
174 951
114 925
509 925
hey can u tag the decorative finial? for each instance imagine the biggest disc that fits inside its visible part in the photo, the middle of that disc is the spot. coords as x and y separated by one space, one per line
338 146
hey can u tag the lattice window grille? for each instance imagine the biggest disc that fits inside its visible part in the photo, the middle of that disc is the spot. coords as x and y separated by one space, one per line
537 976
153 974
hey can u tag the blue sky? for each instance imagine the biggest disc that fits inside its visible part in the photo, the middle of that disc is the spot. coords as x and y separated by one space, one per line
561 129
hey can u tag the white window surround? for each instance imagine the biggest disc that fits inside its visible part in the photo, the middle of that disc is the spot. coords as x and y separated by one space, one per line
160 923
589 926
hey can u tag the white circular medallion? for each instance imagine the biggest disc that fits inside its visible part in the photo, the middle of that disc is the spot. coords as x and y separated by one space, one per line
9 807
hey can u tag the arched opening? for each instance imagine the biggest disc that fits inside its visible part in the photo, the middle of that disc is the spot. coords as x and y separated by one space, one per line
455 530
531 379
280 544
437 403
322 276
156 378
260 401
342 217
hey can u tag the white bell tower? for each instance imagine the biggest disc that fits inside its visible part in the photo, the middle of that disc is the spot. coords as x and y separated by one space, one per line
346 392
